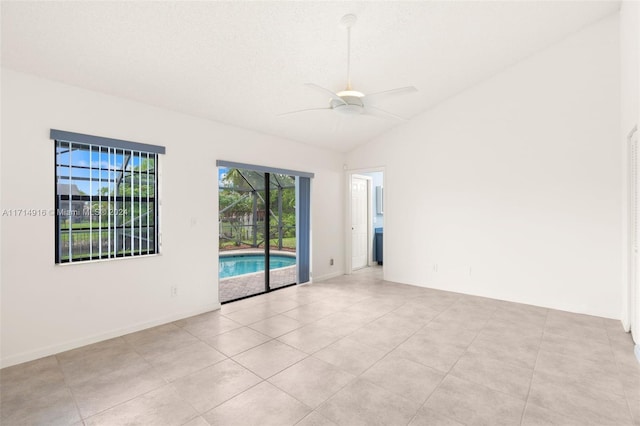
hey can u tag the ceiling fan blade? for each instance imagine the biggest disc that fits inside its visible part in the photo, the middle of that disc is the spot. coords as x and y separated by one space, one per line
303 110
375 97
371 110
326 92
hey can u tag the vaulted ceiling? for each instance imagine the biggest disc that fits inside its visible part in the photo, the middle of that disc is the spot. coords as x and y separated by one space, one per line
243 63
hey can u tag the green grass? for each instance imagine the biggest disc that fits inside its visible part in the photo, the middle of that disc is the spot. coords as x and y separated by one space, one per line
287 243
104 253
96 225
79 225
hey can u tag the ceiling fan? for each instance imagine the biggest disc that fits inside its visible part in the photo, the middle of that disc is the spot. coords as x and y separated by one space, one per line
353 102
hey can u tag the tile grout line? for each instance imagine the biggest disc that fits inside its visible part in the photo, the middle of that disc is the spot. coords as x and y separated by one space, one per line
69 389
535 365
624 389
389 352
236 394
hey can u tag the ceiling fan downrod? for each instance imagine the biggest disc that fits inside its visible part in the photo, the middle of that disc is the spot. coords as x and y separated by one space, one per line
347 22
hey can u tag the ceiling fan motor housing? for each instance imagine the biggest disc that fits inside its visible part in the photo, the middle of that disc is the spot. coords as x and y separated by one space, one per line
352 105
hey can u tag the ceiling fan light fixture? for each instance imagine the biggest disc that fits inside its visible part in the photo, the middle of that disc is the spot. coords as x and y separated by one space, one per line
349 109
353 93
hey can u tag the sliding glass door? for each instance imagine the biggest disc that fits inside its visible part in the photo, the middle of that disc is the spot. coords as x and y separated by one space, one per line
257 232
282 230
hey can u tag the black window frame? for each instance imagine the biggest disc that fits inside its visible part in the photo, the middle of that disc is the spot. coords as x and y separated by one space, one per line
115 204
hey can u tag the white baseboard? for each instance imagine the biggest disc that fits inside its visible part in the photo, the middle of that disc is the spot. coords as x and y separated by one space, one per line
327 276
73 344
637 352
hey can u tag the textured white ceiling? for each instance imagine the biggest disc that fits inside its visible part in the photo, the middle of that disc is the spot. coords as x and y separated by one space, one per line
243 63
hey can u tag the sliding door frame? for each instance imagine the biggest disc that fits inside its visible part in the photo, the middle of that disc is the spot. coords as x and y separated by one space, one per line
303 218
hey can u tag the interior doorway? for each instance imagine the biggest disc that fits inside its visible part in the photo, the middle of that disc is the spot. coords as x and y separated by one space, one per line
365 219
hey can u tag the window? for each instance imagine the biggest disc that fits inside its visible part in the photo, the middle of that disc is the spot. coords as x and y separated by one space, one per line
106 198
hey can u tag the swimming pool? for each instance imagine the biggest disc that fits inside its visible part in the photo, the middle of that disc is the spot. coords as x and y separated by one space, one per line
240 264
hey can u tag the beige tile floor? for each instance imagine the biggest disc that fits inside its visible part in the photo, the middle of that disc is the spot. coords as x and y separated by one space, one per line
354 350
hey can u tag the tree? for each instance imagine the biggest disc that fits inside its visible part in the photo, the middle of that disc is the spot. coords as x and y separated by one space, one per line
239 190
138 181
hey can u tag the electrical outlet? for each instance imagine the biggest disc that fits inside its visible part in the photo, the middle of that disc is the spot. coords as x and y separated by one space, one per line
174 291
331 262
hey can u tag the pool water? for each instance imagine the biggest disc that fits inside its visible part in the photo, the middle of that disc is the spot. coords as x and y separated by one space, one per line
231 266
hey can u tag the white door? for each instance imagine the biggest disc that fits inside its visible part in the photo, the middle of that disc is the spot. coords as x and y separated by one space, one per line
359 222
634 229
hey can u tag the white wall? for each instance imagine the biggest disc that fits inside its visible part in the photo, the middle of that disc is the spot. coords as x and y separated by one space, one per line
630 66
513 187
47 308
630 113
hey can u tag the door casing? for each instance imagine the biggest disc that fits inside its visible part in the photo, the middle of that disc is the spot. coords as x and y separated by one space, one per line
348 243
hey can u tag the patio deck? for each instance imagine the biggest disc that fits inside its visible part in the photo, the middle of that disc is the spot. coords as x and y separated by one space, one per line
246 285
233 288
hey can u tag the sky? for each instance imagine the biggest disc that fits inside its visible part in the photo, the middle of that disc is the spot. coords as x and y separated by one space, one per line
110 165
222 172
99 178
